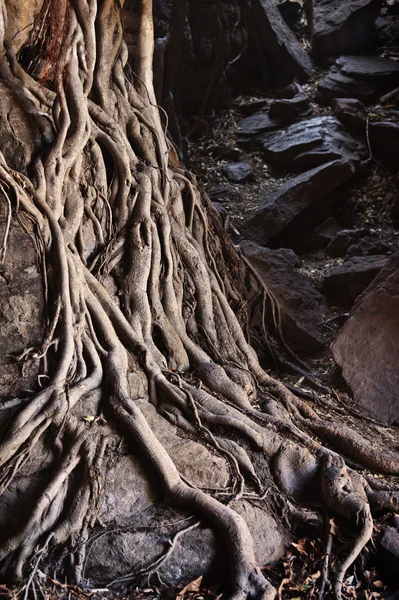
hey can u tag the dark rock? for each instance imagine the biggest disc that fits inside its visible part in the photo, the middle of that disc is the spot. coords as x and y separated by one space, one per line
345 282
303 308
291 12
368 246
343 27
366 348
286 59
284 204
388 27
312 143
290 108
342 241
363 77
251 106
388 547
238 172
384 142
324 233
393 7
351 112
257 123
250 132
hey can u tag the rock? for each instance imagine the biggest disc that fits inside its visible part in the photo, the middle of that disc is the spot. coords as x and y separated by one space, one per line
345 282
388 548
365 78
21 307
351 112
388 28
342 241
238 172
283 205
368 246
343 27
288 109
197 552
286 59
312 143
324 233
258 123
303 308
384 142
291 12
249 107
366 348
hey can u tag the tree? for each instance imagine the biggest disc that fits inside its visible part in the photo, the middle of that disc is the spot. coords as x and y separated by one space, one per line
105 159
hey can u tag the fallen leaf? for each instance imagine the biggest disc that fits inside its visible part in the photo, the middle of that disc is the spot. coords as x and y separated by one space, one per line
193 586
301 546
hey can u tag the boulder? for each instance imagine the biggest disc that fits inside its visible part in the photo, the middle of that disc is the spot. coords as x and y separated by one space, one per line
311 143
285 57
249 107
291 12
288 109
366 348
388 28
384 142
351 112
239 172
288 201
346 281
251 130
341 242
324 233
21 307
343 27
303 309
388 545
365 78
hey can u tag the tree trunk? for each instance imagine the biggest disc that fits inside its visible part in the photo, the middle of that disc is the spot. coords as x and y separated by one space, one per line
158 289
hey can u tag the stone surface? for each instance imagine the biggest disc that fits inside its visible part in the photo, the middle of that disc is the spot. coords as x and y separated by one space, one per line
291 12
284 204
249 107
346 281
311 143
21 306
238 172
198 552
351 112
365 78
285 57
303 308
324 233
384 142
343 27
341 242
290 108
388 545
366 348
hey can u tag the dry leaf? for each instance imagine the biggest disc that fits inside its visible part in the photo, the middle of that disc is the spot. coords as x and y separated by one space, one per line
193 586
301 546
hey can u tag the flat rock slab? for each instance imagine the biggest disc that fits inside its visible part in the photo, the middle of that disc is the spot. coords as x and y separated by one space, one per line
365 78
311 143
366 348
345 282
286 59
340 27
284 204
288 109
251 130
303 308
